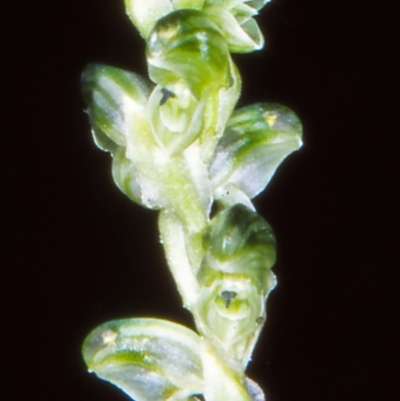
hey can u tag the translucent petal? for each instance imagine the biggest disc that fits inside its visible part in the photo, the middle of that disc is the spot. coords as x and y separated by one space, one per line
256 140
241 37
149 359
255 390
242 12
257 4
107 90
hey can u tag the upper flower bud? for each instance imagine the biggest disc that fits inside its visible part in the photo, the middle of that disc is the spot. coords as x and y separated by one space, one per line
185 46
234 17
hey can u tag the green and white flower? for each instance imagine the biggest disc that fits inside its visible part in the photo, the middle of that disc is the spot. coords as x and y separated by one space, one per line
235 278
179 147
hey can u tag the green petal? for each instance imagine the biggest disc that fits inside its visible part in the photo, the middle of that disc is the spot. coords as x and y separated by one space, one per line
107 91
148 359
186 46
256 140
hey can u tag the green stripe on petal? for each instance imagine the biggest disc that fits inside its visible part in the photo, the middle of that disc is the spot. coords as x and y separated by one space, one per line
107 91
149 359
256 140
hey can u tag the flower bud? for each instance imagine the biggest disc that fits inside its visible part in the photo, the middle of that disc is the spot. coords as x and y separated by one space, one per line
235 278
185 46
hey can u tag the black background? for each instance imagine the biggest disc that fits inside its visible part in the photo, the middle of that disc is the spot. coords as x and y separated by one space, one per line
77 253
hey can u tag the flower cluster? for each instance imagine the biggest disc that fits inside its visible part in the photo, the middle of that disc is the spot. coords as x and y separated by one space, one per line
178 146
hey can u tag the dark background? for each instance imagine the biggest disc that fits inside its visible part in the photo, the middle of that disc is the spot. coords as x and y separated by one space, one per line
77 253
